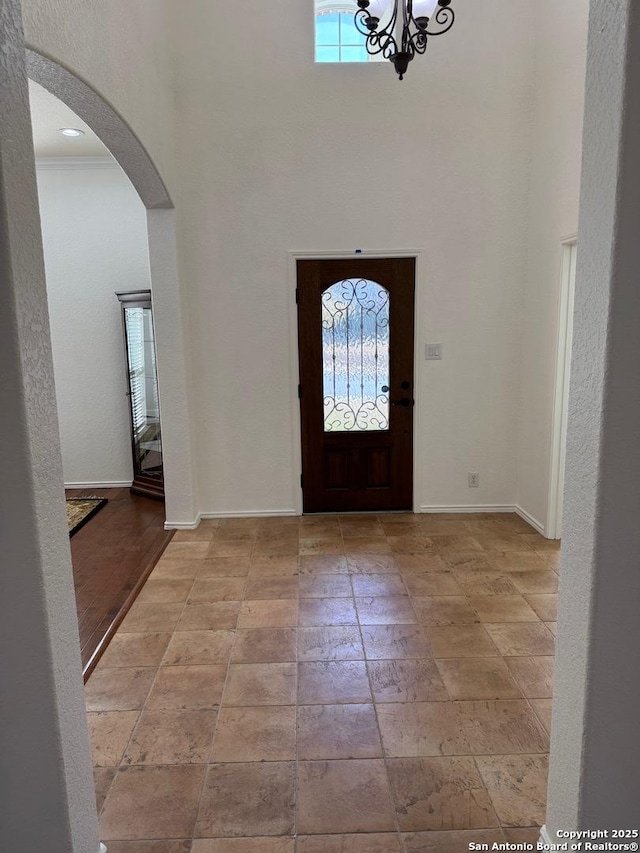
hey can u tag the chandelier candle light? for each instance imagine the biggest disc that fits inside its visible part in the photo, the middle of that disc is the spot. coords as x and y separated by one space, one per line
407 30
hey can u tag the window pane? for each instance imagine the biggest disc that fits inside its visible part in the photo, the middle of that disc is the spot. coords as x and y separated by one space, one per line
327 29
354 54
355 355
349 33
327 54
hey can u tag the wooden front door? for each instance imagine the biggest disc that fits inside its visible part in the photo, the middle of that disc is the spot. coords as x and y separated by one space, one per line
355 332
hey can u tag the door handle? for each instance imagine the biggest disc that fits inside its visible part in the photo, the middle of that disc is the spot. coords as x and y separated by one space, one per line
405 401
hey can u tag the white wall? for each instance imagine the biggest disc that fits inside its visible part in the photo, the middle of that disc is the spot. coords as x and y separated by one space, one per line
556 145
280 154
95 243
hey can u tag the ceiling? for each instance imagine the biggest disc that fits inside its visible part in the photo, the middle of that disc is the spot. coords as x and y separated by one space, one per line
48 115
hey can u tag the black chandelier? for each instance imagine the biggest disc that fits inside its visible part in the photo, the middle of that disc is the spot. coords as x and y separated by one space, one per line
408 29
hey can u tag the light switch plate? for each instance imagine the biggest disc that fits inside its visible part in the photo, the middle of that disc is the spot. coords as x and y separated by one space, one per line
433 352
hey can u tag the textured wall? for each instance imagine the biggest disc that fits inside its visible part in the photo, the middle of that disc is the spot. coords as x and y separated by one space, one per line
594 782
94 232
278 154
46 785
556 144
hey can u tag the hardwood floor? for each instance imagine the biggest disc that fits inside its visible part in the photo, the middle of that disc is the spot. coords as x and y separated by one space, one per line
112 556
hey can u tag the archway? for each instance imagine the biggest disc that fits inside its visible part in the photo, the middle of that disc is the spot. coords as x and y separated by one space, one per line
136 163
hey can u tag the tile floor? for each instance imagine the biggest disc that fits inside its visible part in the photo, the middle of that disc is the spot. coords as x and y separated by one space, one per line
352 684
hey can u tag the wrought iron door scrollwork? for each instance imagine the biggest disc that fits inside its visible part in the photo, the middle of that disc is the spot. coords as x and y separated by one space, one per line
355 344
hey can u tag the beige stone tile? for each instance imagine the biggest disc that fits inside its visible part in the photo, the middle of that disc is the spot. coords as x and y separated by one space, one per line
545 605
550 558
102 779
354 843
187 687
212 616
326 611
517 785
385 642
189 648
439 794
176 568
444 610
186 550
343 797
468 561
265 645
447 545
200 534
266 733
453 841
276 586
385 610
254 798
432 583
150 846
333 682
251 684
316 546
151 618
516 561
539 543
503 543
109 733
218 589
120 689
411 543
460 641
543 708
409 564
270 566
444 527
323 564
372 564
241 547
553 627
172 737
325 586
530 835
502 608
338 731
135 650
367 545
243 845
536 581
224 567
152 802
420 729
271 531
333 642
361 528
270 613
478 678
522 639
378 585
534 675
406 681
485 583
500 727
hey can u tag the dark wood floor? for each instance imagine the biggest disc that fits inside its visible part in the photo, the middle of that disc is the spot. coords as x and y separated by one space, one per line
112 556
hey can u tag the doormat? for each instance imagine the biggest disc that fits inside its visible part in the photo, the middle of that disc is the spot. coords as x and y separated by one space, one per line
80 510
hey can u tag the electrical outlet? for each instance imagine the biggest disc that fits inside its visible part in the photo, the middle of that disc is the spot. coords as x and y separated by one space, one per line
474 480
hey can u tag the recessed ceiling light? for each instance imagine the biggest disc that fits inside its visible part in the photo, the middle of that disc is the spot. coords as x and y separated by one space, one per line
71 131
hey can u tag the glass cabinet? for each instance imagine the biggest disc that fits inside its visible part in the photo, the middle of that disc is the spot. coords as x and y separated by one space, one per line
142 379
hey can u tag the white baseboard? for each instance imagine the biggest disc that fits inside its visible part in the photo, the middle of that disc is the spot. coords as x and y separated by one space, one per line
258 513
121 485
467 508
182 525
537 525
102 849
545 838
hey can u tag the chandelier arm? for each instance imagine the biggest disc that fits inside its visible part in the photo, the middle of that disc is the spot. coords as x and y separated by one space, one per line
445 17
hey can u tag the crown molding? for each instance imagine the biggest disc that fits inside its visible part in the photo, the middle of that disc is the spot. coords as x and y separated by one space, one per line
63 163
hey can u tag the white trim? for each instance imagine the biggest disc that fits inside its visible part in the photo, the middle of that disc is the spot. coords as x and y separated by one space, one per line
296 427
121 485
465 508
102 848
46 163
553 527
545 838
537 525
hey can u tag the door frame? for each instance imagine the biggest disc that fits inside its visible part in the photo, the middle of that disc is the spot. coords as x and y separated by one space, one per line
296 429
553 527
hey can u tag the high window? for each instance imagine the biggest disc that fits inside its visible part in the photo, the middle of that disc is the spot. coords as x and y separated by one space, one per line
337 38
